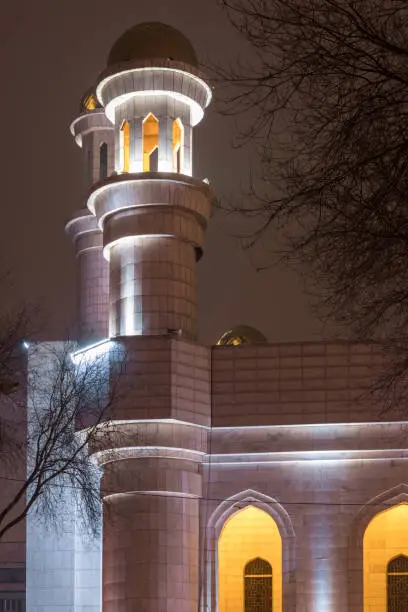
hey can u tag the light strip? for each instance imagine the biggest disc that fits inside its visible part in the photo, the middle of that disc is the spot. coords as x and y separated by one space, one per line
302 425
303 461
310 452
85 116
197 112
137 176
111 77
160 493
158 421
124 239
92 351
143 451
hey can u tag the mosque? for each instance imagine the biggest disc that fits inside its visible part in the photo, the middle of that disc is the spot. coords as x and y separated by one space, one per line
256 477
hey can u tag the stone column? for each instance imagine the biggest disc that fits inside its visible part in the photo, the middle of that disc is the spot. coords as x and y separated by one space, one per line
93 277
153 287
153 234
151 533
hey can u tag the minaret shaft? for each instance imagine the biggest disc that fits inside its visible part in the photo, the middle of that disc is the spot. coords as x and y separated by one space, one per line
142 234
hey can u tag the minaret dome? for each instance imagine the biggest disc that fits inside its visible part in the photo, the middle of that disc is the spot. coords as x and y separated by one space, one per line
152 40
150 211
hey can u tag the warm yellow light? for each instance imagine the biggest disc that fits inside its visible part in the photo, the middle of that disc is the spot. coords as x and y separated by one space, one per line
150 141
385 538
125 145
248 534
178 138
90 102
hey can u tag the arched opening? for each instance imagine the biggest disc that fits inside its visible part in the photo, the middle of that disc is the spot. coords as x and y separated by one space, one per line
249 554
397 584
178 141
150 144
385 554
103 161
258 586
125 146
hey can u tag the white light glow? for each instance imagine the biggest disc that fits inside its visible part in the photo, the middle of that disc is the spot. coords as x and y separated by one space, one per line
306 461
139 177
313 453
329 426
125 239
196 111
160 493
89 129
101 85
26 345
142 452
92 352
158 422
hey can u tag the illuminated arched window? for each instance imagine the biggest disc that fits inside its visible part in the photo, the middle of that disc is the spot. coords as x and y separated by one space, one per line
178 141
385 539
249 547
258 586
125 146
397 584
150 144
103 161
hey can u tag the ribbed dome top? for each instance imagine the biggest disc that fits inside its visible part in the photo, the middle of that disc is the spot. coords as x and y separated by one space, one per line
152 40
241 334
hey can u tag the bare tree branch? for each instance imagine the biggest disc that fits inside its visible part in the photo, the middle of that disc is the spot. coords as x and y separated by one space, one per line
326 97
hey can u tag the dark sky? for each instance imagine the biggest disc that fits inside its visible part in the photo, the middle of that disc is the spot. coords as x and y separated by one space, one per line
50 52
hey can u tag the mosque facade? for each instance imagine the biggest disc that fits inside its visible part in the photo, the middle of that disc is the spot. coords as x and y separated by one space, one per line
249 476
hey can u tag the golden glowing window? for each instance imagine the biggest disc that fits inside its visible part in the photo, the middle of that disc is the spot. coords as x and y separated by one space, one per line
258 586
178 141
249 547
385 559
90 102
397 584
125 146
150 144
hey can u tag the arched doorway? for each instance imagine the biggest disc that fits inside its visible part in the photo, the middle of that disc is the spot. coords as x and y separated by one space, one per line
250 563
385 561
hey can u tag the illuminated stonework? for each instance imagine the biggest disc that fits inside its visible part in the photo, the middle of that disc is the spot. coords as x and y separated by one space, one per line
246 477
249 534
386 539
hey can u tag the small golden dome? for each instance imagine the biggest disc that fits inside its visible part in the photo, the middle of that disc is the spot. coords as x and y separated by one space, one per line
241 334
152 40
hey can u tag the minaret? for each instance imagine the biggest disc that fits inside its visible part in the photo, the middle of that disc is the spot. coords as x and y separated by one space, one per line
150 210
149 214
94 133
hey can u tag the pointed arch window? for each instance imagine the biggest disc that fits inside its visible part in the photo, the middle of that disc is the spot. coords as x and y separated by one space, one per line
258 586
178 142
150 144
397 584
125 146
103 161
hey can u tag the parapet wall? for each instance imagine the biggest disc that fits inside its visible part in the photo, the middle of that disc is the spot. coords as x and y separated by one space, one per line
302 383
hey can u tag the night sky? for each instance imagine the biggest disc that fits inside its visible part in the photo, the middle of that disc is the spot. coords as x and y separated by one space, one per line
51 51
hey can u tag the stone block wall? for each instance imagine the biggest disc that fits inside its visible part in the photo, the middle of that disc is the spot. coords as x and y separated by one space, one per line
295 383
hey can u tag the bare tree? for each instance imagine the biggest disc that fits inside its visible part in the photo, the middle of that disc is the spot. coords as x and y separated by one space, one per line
325 96
50 426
